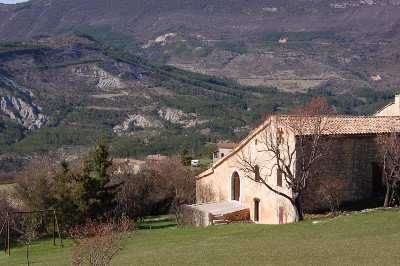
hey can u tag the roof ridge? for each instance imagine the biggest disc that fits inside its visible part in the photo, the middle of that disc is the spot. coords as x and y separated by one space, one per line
341 116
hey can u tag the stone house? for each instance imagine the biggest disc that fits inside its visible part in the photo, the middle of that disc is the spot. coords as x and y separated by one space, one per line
129 166
153 160
223 149
352 157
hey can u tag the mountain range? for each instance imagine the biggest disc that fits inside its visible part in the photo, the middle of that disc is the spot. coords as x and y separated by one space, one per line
292 45
150 74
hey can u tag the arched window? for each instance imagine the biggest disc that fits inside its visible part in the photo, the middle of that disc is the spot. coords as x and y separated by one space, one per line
256 210
235 185
257 176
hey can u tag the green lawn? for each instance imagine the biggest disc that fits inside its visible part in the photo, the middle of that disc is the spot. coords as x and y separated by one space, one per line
370 238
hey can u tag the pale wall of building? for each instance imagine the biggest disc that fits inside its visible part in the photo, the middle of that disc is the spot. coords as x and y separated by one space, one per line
221 153
391 109
220 183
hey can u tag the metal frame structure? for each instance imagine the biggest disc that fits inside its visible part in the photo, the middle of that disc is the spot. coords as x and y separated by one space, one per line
6 224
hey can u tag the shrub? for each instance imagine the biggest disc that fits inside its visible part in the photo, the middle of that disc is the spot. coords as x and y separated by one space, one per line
97 242
332 192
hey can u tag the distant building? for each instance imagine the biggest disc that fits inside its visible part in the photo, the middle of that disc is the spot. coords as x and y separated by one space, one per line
155 159
129 166
223 150
283 40
391 109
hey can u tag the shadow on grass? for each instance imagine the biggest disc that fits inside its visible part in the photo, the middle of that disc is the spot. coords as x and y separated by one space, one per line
156 223
359 205
370 203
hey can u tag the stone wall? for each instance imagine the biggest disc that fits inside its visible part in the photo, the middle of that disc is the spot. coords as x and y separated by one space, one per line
349 159
242 215
194 217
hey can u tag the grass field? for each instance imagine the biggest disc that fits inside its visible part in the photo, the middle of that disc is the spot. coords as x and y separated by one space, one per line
370 238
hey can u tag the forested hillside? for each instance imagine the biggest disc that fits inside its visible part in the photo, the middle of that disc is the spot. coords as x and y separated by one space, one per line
60 93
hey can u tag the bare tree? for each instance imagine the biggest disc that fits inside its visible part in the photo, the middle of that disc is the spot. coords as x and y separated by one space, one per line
134 194
27 230
35 185
6 204
205 193
97 242
175 183
389 150
332 192
290 145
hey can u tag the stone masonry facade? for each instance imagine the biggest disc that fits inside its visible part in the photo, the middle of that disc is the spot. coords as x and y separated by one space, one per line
350 158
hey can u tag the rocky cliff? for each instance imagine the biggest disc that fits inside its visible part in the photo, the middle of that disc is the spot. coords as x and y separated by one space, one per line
17 104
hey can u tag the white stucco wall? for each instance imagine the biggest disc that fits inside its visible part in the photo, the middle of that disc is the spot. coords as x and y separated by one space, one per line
391 109
219 179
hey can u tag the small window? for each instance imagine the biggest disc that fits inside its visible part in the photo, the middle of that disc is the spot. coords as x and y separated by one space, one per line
256 210
222 155
279 178
255 142
257 176
215 154
280 137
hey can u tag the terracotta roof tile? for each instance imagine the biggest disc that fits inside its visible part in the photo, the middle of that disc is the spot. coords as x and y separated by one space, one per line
352 125
117 161
227 145
335 125
156 157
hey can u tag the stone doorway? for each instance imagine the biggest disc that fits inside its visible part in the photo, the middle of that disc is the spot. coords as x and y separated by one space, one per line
235 186
377 184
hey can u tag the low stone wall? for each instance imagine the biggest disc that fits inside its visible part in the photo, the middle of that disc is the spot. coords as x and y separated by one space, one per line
194 217
242 215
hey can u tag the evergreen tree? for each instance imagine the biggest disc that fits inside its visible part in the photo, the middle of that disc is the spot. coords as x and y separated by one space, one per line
106 193
184 153
211 149
63 200
93 191
83 191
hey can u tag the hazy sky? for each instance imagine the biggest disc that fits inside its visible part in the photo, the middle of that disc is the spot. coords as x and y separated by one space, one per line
12 1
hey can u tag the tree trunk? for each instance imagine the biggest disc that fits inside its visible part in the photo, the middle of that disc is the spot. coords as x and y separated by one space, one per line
386 203
297 206
391 198
296 213
398 196
27 258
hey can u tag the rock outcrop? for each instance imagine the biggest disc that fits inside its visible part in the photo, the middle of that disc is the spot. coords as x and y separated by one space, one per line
136 120
16 103
104 79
